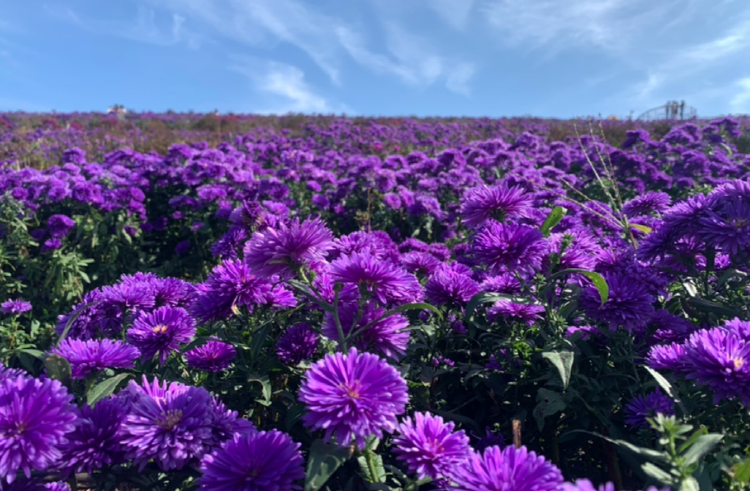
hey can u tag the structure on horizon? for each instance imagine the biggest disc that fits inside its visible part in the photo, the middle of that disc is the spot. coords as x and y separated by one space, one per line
673 110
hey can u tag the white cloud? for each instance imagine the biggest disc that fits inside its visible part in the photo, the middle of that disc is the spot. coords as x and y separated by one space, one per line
453 12
459 77
740 103
145 28
611 25
258 21
286 82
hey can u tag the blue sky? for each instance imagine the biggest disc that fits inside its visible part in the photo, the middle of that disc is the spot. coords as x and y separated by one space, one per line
548 58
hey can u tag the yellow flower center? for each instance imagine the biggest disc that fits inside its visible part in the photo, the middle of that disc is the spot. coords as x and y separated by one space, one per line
160 329
169 419
738 362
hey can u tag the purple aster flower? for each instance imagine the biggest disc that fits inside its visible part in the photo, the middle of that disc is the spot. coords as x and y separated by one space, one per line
727 226
95 442
132 295
447 286
387 282
161 332
298 343
278 250
51 245
169 423
232 284
213 356
500 203
378 244
645 204
515 312
629 305
642 407
509 469
60 225
420 261
388 336
86 356
182 247
353 395
249 215
260 461
429 446
392 200
503 283
586 485
671 356
720 359
228 244
15 307
35 417
511 246
56 486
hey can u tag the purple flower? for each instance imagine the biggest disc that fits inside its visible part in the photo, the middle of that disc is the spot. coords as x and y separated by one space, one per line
642 407
387 282
60 225
509 246
509 469
651 202
500 203
429 446
35 417
259 461
586 485
277 251
15 307
298 343
95 442
182 247
86 356
169 423
448 286
51 245
515 312
213 356
629 305
388 336
420 261
668 357
228 245
232 284
161 332
353 395
720 359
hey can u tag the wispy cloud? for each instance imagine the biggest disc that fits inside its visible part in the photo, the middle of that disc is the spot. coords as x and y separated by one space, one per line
259 22
454 12
144 28
740 103
459 78
286 82
558 24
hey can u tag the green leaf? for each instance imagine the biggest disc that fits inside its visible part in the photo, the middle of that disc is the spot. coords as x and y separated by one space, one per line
657 473
701 447
642 228
323 460
563 362
663 382
689 484
548 403
742 471
712 307
58 368
554 217
105 388
377 473
598 280
265 388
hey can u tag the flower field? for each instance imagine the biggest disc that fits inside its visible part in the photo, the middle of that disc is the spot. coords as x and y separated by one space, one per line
241 303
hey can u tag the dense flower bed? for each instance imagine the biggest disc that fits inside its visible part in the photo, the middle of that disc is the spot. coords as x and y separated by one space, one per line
485 309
